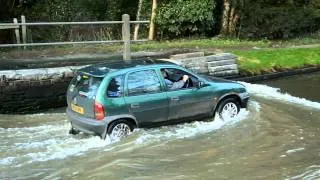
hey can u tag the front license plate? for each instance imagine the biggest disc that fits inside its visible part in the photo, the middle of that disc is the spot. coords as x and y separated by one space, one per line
77 109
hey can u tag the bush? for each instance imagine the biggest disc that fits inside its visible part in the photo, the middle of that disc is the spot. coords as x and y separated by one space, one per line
278 22
178 18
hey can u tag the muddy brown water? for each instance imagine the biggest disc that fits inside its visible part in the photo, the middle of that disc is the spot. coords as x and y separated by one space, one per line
277 137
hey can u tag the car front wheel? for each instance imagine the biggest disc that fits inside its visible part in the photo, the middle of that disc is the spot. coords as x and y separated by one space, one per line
120 129
228 108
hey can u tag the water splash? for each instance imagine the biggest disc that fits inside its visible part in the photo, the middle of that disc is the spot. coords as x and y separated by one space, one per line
52 141
187 130
312 172
44 143
274 93
294 150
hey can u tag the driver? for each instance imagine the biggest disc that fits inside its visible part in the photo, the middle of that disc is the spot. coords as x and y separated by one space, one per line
174 85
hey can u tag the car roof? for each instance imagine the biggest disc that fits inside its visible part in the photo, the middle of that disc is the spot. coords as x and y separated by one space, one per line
101 69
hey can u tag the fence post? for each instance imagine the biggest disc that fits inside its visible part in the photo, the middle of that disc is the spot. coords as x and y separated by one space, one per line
24 31
126 37
16 30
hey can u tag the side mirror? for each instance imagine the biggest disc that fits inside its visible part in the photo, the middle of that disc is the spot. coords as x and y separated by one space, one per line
200 84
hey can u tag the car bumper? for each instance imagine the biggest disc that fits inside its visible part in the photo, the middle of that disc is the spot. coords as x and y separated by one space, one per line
244 103
244 99
86 125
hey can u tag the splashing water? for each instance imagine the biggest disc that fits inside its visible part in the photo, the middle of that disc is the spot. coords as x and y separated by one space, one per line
43 143
312 172
188 130
52 141
274 93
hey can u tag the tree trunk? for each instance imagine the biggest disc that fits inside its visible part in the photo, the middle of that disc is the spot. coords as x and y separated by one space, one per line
233 20
136 27
225 17
230 17
153 15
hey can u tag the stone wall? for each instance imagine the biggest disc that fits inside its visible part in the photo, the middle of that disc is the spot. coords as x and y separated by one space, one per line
223 64
31 90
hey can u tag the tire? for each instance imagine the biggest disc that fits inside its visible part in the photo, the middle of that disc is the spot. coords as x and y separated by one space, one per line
228 108
119 129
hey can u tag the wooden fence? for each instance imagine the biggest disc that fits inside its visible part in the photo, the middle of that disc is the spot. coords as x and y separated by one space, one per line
126 40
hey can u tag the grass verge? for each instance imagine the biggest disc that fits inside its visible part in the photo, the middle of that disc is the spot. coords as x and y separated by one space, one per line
36 52
200 44
271 60
211 44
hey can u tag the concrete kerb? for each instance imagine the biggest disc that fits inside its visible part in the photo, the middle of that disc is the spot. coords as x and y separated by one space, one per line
224 73
223 68
220 63
221 56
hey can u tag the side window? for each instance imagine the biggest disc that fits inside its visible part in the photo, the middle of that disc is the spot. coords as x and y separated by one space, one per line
173 76
115 87
143 82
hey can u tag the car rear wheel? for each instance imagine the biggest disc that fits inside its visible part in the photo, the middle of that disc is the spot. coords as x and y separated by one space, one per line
228 108
120 129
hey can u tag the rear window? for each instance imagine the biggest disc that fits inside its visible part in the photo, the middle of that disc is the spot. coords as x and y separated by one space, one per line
85 85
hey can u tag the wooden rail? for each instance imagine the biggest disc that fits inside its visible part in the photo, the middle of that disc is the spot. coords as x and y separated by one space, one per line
126 40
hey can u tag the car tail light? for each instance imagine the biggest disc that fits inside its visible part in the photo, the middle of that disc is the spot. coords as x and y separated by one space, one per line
99 111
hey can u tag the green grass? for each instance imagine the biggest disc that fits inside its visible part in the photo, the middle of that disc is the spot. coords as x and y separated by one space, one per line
269 60
312 38
210 45
34 52
199 44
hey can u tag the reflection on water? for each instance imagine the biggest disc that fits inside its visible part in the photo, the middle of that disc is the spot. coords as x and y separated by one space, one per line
277 137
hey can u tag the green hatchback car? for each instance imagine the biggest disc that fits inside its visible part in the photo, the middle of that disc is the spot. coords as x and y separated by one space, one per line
115 97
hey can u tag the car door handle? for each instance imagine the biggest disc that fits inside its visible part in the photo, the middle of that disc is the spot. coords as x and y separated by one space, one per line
135 106
175 99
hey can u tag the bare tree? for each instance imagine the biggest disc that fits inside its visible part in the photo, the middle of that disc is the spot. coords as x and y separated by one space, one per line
136 27
225 17
230 17
152 24
233 20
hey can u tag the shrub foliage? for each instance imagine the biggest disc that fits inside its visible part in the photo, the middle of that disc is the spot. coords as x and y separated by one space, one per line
259 19
185 17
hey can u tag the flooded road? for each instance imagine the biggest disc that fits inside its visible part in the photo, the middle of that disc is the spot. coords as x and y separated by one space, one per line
306 86
277 137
